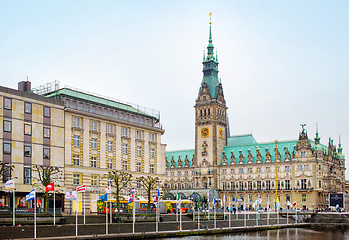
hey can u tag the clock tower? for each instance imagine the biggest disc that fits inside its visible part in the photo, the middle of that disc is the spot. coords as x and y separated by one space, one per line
210 121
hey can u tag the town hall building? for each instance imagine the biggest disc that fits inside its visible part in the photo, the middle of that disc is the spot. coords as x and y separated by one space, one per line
300 172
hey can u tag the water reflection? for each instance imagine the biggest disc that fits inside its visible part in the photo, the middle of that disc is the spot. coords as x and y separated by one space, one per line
279 234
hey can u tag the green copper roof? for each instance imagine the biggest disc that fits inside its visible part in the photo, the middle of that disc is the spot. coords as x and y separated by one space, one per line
263 148
182 154
241 140
97 100
212 84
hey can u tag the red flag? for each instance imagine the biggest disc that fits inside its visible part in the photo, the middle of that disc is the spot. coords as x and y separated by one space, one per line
50 187
81 188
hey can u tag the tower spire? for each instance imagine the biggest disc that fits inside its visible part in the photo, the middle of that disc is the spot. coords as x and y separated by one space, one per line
317 138
210 68
210 35
340 149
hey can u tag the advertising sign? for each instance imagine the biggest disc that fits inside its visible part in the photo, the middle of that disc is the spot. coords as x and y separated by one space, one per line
336 199
71 196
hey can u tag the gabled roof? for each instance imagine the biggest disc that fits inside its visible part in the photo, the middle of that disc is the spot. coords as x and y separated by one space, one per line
176 154
263 148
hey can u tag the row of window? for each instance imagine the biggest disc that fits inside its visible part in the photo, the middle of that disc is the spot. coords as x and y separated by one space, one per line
256 185
27 151
27 107
267 185
94 126
108 112
110 145
109 163
77 180
250 199
27 128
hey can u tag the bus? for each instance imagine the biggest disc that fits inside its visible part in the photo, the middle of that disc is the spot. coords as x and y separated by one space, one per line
170 206
141 206
123 205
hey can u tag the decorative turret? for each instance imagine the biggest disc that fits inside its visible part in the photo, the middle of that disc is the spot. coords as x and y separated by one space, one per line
317 138
340 149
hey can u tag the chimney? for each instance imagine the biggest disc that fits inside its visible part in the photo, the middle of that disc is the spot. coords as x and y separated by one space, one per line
24 86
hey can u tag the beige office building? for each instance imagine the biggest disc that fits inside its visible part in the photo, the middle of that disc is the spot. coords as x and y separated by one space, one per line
31 133
103 134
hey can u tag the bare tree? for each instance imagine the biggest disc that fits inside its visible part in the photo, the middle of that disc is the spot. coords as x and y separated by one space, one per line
120 181
149 184
45 176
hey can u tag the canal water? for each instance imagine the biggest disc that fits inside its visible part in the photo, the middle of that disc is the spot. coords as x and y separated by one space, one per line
279 234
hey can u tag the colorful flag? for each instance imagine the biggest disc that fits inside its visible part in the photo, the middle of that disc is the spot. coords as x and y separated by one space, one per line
157 196
30 196
214 203
50 187
193 197
10 184
208 196
294 204
260 199
104 197
108 189
179 201
81 188
130 200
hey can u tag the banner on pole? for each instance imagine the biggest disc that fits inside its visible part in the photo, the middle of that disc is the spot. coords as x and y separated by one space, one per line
81 188
71 196
108 189
10 184
50 187
30 196
104 197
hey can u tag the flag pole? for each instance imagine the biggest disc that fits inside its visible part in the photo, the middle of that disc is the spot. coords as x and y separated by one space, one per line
110 211
14 206
198 216
245 212
156 217
134 210
215 222
54 207
34 214
76 217
83 196
229 215
106 217
180 218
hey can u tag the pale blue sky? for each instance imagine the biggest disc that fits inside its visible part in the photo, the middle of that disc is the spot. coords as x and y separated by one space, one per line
281 62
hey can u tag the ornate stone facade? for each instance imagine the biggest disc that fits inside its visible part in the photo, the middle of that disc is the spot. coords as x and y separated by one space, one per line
241 169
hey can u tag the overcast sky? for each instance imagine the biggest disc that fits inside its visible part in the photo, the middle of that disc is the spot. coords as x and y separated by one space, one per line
282 63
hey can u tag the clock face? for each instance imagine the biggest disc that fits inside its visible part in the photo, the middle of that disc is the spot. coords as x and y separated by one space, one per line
204 132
